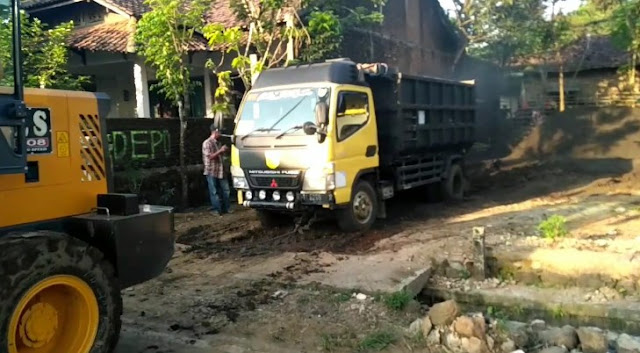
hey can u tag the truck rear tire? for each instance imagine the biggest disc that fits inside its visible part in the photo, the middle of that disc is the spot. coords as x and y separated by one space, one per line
272 219
58 291
453 186
362 210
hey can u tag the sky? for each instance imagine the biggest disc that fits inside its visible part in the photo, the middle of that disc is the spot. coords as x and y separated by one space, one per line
567 5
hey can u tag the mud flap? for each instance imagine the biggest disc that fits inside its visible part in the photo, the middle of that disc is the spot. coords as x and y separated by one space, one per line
382 209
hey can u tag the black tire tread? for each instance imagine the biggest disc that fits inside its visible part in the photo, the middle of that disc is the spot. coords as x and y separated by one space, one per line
31 257
346 219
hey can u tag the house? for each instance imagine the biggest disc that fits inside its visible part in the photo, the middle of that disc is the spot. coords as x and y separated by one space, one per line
416 36
595 72
102 47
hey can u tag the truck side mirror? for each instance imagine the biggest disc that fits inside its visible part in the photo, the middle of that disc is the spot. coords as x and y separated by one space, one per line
322 114
309 128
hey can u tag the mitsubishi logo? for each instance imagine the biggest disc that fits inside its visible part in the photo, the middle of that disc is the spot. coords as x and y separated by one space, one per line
274 184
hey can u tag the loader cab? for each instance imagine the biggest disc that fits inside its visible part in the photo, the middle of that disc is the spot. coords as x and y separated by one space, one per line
13 156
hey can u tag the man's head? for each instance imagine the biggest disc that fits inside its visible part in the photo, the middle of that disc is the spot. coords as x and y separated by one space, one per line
215 132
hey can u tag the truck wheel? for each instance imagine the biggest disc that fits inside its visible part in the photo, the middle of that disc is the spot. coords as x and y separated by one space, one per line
362 210
270 219
453 186
58 295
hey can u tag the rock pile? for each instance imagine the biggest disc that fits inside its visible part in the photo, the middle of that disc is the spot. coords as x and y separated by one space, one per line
444 325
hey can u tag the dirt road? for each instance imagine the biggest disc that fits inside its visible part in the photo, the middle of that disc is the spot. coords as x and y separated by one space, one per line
233 287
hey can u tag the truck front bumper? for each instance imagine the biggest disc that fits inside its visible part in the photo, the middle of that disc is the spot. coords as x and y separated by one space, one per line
302 200
140 245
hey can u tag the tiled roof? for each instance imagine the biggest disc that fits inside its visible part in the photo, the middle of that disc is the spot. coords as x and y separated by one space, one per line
585 54
115 37
112 37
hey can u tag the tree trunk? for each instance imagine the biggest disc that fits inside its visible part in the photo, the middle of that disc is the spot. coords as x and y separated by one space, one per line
561 103
184 182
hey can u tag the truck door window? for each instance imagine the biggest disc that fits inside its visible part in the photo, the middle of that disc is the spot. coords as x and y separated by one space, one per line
6 48
353 113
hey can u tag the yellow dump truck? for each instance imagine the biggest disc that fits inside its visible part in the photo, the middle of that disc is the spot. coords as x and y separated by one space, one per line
345 137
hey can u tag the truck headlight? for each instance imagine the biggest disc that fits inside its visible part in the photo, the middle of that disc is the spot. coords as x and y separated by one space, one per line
240 183
320 178
239 180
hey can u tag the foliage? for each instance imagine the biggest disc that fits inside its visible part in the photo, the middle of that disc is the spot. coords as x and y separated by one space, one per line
44 54
328 20
281 31
554 227
377 341
398 300
163 37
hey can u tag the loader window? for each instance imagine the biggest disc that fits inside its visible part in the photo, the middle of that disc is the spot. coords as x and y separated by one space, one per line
353 113
6 48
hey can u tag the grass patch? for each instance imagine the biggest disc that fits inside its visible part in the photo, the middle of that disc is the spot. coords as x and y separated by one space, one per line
329 342
377 341
398 300
341 297
558 313
554 227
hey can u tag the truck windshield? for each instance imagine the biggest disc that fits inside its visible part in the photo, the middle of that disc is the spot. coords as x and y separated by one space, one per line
278 110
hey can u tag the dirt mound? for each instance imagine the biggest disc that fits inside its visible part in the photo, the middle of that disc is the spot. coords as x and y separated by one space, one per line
584 133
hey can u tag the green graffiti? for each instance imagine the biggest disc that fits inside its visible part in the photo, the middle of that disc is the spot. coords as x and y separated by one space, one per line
140 144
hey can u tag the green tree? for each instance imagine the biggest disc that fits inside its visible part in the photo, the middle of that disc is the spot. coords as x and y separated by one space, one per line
282 32
626 33
164 36
44 54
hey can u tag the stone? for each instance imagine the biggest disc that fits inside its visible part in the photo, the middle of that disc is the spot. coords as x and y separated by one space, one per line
416 327
592 340
474 345
434 338
414 307
468 327
554 350
518 332
491 343
507 346
426 327
612 339
361 296
452 341
443 314
627 344
538 325
564 337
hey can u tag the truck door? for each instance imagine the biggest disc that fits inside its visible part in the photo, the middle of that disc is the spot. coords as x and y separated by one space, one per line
356 139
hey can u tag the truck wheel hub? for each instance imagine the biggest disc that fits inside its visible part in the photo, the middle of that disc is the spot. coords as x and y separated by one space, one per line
362 207
39 325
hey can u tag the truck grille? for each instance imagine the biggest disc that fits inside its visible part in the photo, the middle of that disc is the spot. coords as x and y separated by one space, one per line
275 182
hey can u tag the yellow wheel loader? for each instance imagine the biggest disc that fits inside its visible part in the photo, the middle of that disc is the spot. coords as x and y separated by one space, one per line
67 245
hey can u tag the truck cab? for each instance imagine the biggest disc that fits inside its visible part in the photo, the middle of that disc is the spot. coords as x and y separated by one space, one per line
307 137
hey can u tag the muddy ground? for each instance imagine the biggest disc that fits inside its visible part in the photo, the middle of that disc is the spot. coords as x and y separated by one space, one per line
234 287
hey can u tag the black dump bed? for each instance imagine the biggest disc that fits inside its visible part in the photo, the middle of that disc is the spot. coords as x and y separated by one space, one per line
420 115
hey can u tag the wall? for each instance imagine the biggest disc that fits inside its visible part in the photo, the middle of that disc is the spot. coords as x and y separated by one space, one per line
145 158
415 37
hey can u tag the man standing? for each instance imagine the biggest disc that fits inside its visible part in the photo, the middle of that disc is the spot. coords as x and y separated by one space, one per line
214 171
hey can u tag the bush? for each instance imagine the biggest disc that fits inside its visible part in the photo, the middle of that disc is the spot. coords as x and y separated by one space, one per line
554 227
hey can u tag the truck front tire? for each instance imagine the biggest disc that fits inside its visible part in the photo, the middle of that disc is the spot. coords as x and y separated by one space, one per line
453 186
362 210
61 281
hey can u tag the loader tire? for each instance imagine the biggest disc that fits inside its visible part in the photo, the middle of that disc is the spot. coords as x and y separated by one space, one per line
362 210
59 294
